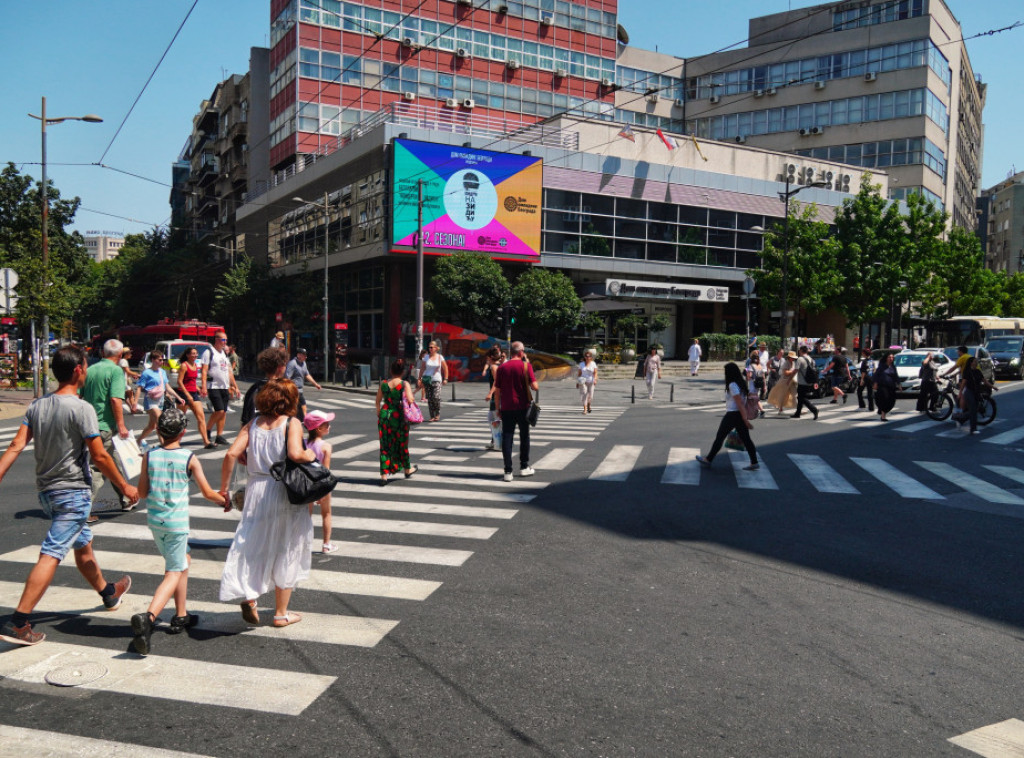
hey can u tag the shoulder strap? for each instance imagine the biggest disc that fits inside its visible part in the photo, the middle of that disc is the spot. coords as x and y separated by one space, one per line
526 381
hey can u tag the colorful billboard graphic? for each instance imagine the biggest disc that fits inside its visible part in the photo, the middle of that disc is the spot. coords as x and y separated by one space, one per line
474 200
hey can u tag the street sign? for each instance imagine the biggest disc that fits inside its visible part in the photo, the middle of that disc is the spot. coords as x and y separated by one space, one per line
8 278
748 286
8 302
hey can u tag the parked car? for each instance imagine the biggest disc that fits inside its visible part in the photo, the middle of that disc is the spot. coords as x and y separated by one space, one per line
908 365
982 358
1007 356
173 350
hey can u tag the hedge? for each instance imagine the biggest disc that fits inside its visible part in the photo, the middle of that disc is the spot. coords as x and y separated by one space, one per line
733 347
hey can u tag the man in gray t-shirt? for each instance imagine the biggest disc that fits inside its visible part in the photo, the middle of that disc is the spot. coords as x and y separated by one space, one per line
298 372
65 428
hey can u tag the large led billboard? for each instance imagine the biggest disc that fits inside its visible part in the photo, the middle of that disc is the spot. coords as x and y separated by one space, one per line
474 200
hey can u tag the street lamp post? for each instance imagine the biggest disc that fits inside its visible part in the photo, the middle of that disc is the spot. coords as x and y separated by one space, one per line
326 205
43 121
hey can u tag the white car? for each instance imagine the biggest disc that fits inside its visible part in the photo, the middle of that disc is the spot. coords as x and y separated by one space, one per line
908 365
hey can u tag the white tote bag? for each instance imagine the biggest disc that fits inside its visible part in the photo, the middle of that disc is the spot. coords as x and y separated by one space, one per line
128 456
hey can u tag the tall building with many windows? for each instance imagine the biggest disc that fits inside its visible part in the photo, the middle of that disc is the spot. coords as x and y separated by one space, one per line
881 84
334 64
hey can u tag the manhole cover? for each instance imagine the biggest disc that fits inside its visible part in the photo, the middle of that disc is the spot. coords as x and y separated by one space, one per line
78 674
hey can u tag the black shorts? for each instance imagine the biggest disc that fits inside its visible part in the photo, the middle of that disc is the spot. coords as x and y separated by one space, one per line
219 399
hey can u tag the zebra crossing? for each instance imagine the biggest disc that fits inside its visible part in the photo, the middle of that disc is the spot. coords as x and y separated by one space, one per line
395 547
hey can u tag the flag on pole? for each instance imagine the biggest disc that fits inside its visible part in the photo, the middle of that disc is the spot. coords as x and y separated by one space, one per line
670 143
627 133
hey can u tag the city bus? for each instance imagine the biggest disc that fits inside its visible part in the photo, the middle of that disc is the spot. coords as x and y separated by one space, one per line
142 339
970 330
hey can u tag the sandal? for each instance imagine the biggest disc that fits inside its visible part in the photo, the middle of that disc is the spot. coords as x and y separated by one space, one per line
411 471
287 620
250 613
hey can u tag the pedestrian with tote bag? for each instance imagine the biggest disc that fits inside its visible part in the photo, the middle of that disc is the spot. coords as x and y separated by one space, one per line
735 419
433 374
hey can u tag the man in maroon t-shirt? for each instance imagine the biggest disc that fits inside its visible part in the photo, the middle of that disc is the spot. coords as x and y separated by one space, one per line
512 403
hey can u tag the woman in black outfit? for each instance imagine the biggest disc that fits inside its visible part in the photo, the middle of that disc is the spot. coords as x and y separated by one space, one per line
735 418
885 382
867 368
929 387
973 385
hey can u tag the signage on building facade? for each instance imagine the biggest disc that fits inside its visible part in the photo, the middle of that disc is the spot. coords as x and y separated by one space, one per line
705 293
474 200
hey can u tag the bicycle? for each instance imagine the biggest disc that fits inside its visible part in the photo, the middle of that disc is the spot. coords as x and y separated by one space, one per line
949 399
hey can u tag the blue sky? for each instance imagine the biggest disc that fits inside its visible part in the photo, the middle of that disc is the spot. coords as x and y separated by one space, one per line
100 54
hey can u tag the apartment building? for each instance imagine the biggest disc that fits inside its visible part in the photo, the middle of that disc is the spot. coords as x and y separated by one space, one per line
103 246
1004 233
880 84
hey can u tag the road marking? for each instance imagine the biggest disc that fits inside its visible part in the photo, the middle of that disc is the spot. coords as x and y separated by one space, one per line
483 426
483 434
974 485
1006 438
338 582
435 458
558 459
265 690
19 741
1002 740
483 478
617 464
440 509
761 479
1009 472
821 475
330 629
912 428
373 446
682 467
413 527
896 480
438 493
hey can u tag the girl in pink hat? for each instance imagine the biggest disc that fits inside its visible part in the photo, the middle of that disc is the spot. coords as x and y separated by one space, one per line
318 425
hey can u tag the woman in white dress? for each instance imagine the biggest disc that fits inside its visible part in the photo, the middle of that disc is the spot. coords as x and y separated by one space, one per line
587 379
273 543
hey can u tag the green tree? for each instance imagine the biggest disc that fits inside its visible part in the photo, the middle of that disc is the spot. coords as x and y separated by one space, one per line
1013 299
813 281
961 285
469 289
546 300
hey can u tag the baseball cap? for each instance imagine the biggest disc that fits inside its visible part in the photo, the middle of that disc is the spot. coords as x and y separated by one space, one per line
172 423
301 350
314 419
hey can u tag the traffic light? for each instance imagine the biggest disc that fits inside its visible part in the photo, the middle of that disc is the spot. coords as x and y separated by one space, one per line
755 313
511 320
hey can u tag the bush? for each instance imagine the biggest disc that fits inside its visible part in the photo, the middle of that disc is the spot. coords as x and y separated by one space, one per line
733 347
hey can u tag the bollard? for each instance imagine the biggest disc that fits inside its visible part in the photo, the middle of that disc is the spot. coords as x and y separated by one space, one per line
453 392
632 394
672 392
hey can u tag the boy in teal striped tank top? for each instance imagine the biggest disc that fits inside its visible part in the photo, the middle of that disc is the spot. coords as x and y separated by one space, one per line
164 485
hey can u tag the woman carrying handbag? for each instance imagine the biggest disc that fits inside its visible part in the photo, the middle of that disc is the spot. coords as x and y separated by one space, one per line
735 419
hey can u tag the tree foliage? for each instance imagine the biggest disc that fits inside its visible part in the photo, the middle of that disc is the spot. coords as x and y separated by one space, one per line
469 289
546 300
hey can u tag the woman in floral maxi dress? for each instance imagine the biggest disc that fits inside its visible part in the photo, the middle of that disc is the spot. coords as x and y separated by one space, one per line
392 427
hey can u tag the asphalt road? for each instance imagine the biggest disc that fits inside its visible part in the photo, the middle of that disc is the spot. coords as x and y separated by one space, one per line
621 602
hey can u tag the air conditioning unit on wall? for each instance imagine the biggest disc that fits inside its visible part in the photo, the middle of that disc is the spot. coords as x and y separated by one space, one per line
870 76
409 96
462 53
512 64
715 99
469 103
451 102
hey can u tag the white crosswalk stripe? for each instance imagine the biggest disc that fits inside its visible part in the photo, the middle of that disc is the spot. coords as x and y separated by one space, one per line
682 466
19 741
900 483
1010 472
761 479
618 463
558 459
823 477
981 488
1006 438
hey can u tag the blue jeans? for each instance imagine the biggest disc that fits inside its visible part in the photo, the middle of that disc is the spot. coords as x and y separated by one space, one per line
68 511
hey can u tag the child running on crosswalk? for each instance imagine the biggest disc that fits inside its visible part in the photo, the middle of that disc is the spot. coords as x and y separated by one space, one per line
164 483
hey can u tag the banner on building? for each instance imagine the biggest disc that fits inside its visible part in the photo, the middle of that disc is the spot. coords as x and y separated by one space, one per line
473 200
706 293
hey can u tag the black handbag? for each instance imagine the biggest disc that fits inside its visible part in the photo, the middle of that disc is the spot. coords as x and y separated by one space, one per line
305 482
533 413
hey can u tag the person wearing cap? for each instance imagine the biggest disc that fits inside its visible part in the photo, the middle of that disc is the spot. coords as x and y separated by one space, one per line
318 425
783 394
278 340
163 482
298 372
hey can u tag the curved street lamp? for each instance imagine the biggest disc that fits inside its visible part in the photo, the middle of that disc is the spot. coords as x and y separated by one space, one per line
43 120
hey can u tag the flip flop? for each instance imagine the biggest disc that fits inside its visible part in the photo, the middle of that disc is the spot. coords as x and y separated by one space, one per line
287 620
250 614
411 471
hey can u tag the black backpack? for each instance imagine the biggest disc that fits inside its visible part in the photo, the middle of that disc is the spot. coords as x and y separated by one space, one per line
811 372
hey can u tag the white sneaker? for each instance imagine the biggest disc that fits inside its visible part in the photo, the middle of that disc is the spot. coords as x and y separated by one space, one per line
526 471
507 477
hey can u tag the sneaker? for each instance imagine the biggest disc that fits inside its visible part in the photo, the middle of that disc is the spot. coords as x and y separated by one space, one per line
210 445
121 587
526 471
180 623
329 548
703 461
20 635
752 467
127 507
507 477
221 441
142 628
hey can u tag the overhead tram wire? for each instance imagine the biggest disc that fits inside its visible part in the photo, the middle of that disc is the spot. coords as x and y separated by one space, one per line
144 86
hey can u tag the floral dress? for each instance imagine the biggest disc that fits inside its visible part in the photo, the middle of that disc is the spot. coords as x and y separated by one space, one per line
392 430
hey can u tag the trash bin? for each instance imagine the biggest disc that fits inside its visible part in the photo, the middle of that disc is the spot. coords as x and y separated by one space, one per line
362 374
640 368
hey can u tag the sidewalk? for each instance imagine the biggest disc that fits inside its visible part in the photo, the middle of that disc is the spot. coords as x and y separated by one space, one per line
13 403
708 387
